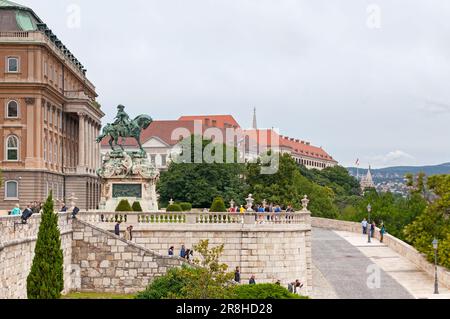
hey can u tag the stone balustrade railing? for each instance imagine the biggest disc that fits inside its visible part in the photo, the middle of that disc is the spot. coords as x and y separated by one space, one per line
195 218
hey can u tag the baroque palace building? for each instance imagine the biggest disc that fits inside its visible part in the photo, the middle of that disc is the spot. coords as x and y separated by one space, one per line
49 118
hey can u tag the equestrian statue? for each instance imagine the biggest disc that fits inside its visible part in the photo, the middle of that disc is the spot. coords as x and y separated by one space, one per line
123 127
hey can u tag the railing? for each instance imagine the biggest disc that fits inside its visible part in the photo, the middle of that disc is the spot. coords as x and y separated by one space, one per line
195 218
14 34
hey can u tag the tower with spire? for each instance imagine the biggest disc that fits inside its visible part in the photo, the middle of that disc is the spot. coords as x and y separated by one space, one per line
367 181
255 122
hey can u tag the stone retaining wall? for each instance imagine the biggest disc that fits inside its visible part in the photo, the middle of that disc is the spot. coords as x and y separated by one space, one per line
270 252
392 242
107 263
17 244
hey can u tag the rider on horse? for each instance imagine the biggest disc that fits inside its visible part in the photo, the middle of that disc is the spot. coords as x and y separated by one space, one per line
122 120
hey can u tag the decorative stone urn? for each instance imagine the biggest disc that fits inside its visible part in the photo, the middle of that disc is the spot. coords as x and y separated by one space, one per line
250 200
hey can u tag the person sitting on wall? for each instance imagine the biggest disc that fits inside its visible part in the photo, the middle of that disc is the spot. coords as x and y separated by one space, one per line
26 214
16 211
64 208
75 211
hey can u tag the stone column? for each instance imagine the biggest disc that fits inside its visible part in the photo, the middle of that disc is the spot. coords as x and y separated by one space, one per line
81 141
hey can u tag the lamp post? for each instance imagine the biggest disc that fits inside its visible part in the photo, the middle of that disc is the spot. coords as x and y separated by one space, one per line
436 282
369 224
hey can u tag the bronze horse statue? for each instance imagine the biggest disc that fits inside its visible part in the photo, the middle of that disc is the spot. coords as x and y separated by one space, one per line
133 129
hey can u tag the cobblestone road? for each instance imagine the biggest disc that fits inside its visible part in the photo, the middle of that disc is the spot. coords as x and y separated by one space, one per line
345 268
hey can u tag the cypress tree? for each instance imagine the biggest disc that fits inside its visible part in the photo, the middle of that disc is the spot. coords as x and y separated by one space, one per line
46 279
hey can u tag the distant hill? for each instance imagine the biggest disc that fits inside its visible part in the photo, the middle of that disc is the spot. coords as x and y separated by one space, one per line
397 174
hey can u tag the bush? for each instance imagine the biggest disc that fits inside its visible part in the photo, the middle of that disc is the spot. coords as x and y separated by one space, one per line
167 286
186 207
124 206
46 279
264 291
174 208
218 206
137 207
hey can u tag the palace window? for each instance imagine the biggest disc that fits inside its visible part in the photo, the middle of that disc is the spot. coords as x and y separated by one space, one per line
11 190
12 148
50 145
12 110
13 65
45 150
163 160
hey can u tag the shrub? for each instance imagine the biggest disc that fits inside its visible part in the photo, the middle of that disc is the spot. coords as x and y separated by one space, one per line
264 291
186 207
167 286
218 206
174 208
124 206
137 207
46 280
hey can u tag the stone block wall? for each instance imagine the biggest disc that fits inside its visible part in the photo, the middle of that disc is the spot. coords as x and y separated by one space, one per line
400 247
17 243
107 263
270 252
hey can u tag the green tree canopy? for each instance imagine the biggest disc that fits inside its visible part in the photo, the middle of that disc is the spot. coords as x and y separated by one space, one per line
199 183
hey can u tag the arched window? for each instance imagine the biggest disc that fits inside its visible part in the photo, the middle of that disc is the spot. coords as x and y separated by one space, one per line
11 190
12 109
12 148
45 150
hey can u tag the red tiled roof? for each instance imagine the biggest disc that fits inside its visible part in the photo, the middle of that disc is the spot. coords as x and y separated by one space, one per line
162 130
220 121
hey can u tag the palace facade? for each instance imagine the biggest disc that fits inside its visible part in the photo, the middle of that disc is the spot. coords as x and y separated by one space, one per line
49 118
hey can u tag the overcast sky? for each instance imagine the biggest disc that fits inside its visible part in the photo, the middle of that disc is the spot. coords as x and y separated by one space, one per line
362 81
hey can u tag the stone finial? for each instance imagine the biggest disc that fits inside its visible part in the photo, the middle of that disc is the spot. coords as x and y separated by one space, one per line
232 203
305 202
171 202
264 203
250 200
72 200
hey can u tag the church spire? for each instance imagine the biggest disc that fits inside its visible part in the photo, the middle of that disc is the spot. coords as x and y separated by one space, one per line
255 123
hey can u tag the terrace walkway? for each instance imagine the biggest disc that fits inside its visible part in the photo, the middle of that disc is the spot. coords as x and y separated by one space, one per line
344 263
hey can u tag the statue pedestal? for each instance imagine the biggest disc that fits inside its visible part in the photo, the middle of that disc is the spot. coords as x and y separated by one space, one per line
131 177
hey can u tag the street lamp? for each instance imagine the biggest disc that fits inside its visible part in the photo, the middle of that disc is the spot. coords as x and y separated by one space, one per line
369 225
436 283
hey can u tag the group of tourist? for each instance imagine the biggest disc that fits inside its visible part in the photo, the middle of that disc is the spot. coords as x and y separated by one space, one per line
370 229
30 209
184 253
293 287
271 208
128 234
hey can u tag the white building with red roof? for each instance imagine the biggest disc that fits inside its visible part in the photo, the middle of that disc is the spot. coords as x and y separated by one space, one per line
161 140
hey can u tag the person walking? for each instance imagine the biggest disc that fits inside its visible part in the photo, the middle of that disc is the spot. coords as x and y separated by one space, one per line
237 275
16 211
171 251
252 280
382 232
364 226
131 233
117 229
183 251
372 229
127 235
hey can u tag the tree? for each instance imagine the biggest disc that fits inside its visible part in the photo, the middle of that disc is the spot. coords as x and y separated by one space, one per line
434 222
199 182
124 206
288 186
136 207
211 279
46 279
218 205
166 286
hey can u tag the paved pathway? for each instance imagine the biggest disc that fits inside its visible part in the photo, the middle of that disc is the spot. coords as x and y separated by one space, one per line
345 268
